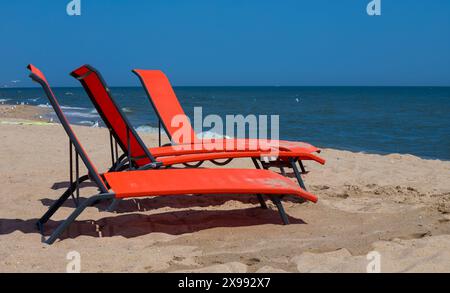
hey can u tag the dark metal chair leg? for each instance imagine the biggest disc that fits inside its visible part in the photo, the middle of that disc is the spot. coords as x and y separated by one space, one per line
260 197
261 201
63 226
56 205
298 175
276 200
302 167
113 205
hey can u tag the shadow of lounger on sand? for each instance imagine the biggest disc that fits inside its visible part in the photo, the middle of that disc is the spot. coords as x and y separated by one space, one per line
173 201
134 225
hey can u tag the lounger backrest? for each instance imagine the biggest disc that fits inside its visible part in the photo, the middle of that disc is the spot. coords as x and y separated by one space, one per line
112 115
166 104
37 76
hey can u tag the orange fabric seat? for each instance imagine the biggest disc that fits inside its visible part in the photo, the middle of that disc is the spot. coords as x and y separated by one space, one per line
160 182
202 181
173 160
165 102
118 124
234 145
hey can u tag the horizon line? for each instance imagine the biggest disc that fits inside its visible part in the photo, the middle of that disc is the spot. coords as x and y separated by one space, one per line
261 86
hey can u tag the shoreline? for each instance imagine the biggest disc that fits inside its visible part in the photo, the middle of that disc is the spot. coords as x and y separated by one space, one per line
24 112
41 114
396 204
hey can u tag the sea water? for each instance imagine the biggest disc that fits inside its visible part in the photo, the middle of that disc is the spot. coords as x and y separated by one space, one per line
407 120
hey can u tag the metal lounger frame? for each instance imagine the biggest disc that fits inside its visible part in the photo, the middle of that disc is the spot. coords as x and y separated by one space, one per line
118 163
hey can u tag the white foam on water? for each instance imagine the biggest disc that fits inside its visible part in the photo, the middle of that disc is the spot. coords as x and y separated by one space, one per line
147 129
72 108
81 115
210 135
127 110
86 122
47 105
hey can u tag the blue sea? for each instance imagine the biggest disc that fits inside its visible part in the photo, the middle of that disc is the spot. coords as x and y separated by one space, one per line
406 120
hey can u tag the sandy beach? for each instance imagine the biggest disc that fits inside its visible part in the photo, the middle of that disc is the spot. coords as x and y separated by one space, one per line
397 205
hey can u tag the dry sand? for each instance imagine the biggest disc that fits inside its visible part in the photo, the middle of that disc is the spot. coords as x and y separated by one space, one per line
398 205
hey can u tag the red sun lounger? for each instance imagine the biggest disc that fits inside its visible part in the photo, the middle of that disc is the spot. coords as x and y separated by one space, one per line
122 132
161 182
167 106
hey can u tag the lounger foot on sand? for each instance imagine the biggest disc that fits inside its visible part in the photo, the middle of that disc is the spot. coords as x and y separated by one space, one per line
162 182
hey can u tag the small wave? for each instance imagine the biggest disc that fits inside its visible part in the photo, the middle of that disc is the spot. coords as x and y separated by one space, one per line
81 115
4 100
33 99
210 135
127 110
147 129
86 122
68 94
91 123
47 105
72 108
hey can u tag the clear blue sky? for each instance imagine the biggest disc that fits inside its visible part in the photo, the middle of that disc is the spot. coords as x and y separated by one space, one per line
247 42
